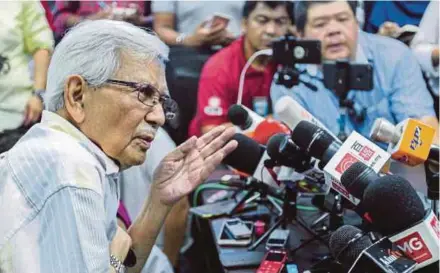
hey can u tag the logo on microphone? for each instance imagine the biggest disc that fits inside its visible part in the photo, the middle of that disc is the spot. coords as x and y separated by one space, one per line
345 163
414 247
416 142
435 224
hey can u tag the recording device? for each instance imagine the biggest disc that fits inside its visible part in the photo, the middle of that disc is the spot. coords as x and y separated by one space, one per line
244 118
225 238
336 158
273 262
278 239
409 141
288 51
360 76
290 112
397 211
357 178
235 259
253 125
237 228
358 254
250 157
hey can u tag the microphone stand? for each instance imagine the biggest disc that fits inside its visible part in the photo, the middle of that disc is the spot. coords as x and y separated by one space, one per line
432 180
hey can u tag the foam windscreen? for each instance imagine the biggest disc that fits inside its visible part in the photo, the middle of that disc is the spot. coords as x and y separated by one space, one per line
357 177
309 136
393 204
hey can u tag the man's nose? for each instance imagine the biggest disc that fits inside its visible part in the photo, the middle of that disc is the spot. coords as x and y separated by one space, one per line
270 27
333 28
156 117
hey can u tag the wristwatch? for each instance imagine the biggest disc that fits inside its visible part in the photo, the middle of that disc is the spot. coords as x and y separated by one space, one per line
39 93
117 264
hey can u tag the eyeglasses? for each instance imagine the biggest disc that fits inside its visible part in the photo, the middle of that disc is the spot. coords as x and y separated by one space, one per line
150 96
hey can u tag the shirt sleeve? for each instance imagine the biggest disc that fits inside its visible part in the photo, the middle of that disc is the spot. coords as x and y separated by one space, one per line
409 96
214 96
36 30
163 6
426 39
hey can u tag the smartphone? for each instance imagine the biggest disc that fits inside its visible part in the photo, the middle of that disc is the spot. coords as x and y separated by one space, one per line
241 259
237 228
218 19
225 238
273 262
278 239
360 76
288 50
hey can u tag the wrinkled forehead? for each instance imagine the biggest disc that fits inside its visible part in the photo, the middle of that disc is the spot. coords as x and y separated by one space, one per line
142 71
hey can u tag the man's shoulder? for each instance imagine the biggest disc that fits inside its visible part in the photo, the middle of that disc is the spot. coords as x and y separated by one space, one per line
53 159
383 47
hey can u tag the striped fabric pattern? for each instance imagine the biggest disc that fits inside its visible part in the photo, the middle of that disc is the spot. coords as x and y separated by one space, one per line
58 202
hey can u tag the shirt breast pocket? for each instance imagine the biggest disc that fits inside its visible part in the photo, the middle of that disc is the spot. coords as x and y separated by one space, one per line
380 109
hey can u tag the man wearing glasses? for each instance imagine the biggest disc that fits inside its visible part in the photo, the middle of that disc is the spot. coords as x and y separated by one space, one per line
106 97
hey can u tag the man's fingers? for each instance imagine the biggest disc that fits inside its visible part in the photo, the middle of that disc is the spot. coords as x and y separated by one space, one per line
184 148
217 143
209 136
213 160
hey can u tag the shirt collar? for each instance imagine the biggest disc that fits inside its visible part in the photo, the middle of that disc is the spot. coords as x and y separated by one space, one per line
58 123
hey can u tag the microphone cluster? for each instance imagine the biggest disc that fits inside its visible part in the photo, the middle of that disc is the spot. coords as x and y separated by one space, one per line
401 234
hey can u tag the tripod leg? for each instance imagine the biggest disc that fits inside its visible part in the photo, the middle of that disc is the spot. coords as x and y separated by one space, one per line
265 235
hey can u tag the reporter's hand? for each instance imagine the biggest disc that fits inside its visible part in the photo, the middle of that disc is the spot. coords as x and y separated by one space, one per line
190 164
33 110
206 36
120 244
388 29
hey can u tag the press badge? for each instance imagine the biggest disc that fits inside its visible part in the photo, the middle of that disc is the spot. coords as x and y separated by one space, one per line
260 106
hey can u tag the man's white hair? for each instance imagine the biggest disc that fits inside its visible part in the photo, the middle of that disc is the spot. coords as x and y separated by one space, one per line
93 49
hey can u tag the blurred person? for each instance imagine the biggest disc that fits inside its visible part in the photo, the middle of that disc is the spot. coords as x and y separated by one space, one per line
185 23
386 17
70 13
425 45
262 22
106 96
24 35
135 187
399 90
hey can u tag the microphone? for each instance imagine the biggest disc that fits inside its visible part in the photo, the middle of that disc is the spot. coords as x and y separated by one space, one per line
398 212
409 141
290 112
357 178
335 158
267 128
250 157
358 254
245 119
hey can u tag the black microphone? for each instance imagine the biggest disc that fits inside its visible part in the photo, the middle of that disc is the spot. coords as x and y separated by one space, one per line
315 141
284 152
397 211
358 254
247 156
357 177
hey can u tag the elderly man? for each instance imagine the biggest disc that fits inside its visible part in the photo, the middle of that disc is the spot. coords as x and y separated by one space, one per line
399 90
106 97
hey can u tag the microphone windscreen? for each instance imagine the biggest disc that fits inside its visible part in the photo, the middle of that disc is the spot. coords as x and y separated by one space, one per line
393 204
344 247
357 177
312 138
246 156
238 115
273 145
267 128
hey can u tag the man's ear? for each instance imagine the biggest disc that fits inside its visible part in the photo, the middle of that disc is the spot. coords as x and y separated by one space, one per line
75 89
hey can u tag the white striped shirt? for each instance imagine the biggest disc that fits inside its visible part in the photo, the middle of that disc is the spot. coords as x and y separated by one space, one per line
58 201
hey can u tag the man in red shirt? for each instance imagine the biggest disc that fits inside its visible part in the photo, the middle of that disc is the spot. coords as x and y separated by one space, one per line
262 22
